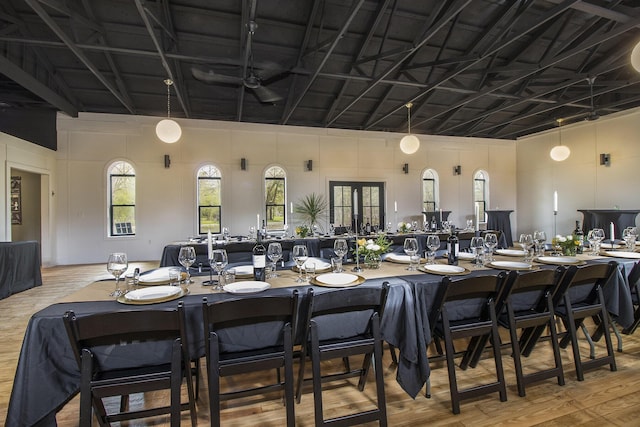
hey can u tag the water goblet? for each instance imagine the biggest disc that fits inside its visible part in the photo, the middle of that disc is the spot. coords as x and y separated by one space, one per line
411 249
477 246
186 258
490 241
340 248
218 262
252 232
597 234
117 264
526 241
433 243
299 253
274 252
629 235
539 237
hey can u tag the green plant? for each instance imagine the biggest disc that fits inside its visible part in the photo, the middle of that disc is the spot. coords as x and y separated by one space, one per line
312 208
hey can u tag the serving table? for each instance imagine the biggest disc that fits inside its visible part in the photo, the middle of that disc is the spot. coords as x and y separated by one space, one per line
47 376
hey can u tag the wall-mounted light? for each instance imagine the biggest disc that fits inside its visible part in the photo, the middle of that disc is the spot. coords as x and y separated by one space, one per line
605 159
168 130
167 161
243 164
457 170
405 168
308 165
560 152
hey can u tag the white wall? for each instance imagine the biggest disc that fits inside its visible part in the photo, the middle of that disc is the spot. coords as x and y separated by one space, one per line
581 182
166 198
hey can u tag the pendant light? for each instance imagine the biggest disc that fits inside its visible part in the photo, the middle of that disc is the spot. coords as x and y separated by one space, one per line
409 144
168 130
635 57
560 152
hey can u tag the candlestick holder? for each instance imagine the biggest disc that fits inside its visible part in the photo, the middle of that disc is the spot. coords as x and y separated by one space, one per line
357 268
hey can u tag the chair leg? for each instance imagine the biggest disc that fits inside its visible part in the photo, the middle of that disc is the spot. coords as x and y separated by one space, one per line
176 383
394 357
495 342
288 378
302 360
572 336
377 360
317 376
213 374
451 368
554 346
592 347
517 361
616 332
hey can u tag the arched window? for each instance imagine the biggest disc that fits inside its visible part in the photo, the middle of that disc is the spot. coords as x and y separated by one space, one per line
122 199
429 190
209 199
275 191
481 193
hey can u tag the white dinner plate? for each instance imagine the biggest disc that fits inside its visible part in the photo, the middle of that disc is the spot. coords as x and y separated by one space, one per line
510 265
243 270
320 264
337 279
510 252
623 254
246 287
153 294
611 246
466 255
443 269
558 260
158 276
400 258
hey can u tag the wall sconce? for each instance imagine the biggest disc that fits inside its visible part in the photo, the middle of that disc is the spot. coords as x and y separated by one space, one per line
405 168
457 170
605 159
243 164
308 165
167 161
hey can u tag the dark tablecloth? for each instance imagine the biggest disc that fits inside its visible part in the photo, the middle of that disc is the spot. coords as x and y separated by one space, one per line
19 267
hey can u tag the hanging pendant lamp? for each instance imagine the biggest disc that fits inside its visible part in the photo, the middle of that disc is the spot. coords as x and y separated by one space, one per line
168 130
635 57
560 152
409 144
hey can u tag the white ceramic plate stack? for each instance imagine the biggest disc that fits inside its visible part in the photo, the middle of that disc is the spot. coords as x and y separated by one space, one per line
159 276
151 295
246 287
623 254
338 280
559 260
510 252
510 265
444 269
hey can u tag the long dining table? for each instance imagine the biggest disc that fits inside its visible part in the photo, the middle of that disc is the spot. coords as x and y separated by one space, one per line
47 376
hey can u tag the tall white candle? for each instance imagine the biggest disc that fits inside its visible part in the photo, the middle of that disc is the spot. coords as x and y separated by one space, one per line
440 216
395 207
258 222
291 207
209 244
555 201
355 202
612 232
477 217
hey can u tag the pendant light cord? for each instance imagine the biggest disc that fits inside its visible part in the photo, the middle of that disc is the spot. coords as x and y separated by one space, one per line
168 82
409 105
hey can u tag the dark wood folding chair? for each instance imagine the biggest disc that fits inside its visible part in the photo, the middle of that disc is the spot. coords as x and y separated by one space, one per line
340 324
538 288
104 344
481 291
583 298
270 322
634 283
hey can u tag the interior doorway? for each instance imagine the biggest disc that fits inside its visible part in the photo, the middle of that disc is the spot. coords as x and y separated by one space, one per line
26 206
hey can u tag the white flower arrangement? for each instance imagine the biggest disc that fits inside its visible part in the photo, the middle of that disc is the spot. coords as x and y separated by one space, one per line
404 227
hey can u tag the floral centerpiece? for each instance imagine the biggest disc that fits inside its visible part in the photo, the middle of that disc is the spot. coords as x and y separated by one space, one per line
303 231
372 250
404 227
568 244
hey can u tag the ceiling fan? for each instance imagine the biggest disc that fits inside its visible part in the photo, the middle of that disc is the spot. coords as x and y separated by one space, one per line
251 79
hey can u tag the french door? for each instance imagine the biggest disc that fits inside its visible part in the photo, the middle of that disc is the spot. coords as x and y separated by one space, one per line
369 204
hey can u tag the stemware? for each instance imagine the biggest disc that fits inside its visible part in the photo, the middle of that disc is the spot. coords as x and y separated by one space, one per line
340 248
300 256
411 249
477 246
274 252
219 261
490 241
595 236
116 265
539 237
526 241
433 243
252 232
186 258
629 235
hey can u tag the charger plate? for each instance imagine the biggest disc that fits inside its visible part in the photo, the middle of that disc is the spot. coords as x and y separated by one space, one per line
337 280
444 269
153 295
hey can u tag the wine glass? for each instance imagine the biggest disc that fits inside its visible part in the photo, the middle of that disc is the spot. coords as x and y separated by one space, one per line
477 246
433 243
340 248
219 261
274 252
526 241
539 237
629 235
300 256
411 249
116 265
186 258
252 232
490 241
596 236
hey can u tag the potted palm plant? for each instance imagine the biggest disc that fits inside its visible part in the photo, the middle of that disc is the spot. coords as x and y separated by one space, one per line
311 209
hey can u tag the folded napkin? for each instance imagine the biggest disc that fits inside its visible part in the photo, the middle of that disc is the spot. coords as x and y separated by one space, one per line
155 276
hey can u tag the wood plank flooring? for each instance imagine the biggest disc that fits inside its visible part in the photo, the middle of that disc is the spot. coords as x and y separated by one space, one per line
604 398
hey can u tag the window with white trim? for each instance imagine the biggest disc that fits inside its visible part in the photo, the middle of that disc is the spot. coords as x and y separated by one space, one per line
122 199
209 199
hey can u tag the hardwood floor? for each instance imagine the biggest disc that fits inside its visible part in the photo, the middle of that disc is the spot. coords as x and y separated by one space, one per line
604 398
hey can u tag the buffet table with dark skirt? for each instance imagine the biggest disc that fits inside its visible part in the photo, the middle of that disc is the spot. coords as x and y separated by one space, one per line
19 267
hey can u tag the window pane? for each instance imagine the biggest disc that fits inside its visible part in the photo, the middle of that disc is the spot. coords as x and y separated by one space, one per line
123 190
275 217
209 219
123 220
209 191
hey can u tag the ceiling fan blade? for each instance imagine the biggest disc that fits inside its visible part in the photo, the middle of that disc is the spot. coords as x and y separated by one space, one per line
266 95
208 76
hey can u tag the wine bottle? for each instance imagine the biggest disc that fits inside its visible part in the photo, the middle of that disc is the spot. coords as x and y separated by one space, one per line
453 246
259 260
434 224
579 234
